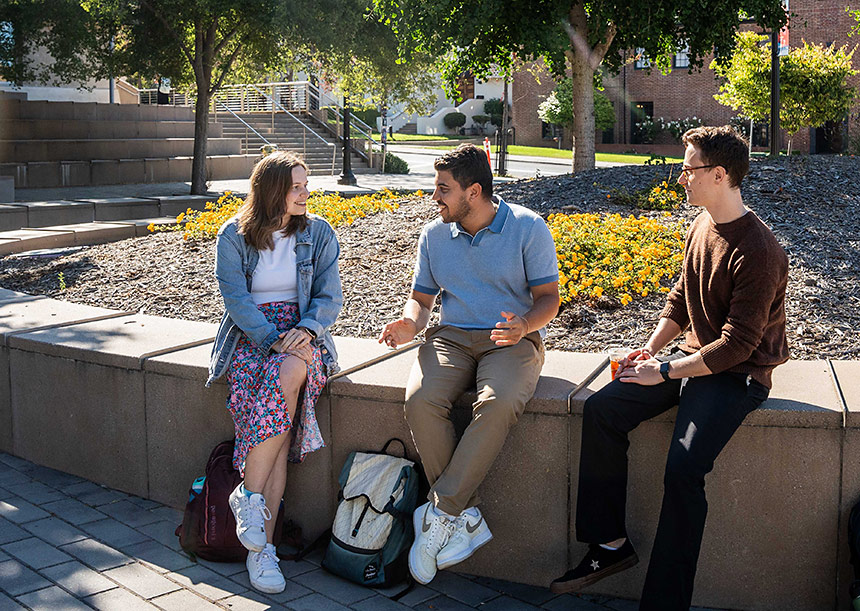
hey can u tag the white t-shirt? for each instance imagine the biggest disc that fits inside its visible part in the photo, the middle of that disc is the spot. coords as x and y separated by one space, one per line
274 277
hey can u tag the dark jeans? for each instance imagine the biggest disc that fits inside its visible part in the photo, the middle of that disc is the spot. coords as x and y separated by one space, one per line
710 410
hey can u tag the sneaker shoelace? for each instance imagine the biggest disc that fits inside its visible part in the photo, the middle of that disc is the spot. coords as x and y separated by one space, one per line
259 513
440 531
268 560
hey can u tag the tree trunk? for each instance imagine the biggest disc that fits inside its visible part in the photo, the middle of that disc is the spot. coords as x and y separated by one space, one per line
584 60
583 117
201 131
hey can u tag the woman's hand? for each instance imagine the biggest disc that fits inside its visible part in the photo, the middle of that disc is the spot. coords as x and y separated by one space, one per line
304 352
292 339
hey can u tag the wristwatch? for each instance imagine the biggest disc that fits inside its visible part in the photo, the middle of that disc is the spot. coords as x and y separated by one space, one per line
309 332
664 371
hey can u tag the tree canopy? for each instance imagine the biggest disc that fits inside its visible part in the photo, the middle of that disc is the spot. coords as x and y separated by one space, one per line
557 109
575 36
813 79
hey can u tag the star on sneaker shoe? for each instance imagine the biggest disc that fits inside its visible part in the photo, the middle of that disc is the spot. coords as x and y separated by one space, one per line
432 531
471 532
250 513
265 572
598 563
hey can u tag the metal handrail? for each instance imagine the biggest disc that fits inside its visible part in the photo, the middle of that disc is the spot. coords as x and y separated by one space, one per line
338 115
247 127
307 129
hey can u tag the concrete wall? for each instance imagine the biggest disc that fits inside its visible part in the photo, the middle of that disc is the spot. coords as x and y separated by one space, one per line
118 398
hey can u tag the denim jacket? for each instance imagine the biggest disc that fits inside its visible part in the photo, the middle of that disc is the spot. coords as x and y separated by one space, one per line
320 296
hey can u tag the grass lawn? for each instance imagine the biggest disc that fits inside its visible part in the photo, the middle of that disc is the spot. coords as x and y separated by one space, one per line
541 151
420 137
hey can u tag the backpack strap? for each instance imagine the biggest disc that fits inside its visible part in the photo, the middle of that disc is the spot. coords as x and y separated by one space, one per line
384 449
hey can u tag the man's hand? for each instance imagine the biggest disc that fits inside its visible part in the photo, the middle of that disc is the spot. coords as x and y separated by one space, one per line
509 331
645 373
398 332
638 355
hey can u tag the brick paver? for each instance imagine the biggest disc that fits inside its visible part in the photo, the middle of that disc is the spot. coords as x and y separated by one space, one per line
66 543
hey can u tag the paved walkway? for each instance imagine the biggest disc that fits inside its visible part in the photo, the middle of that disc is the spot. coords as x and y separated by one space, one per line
66 543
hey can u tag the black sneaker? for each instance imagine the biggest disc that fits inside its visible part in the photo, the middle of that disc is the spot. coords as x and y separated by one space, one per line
598 563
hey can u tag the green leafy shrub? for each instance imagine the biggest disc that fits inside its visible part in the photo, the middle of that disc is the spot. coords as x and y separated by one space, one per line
395 165
453 120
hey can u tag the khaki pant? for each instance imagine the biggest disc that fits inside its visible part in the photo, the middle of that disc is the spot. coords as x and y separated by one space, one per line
449 363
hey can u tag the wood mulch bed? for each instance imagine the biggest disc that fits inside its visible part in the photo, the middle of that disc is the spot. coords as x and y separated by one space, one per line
812 204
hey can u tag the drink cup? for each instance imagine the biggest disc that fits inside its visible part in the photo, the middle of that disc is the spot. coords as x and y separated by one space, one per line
616 355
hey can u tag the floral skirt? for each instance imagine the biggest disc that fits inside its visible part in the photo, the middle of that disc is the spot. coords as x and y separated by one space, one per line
256 402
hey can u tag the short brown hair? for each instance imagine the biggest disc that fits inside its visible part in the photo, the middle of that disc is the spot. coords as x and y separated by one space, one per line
468 165
263 211
722 146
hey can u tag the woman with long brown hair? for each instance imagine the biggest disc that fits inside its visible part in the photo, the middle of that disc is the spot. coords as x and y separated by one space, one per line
277 271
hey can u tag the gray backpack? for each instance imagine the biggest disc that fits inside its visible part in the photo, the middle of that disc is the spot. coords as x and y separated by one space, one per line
372 530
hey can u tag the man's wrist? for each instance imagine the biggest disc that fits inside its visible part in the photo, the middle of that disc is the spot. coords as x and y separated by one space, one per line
665 369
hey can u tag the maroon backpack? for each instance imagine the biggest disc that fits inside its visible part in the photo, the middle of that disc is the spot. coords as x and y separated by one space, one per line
208 528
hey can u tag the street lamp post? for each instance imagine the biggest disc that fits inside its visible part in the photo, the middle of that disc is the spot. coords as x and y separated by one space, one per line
347 177
774 93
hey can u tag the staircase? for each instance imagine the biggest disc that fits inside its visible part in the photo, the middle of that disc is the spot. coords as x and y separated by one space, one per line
61 144
317 146
408 129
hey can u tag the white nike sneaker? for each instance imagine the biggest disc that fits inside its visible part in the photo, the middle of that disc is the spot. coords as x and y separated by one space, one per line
471 532
432 532
250 513
265 572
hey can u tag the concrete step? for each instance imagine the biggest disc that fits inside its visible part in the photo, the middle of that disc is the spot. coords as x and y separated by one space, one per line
65 213
61 129
21 151
46 174
409 128
91 111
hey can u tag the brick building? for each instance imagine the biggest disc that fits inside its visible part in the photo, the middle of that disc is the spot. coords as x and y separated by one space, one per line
681 93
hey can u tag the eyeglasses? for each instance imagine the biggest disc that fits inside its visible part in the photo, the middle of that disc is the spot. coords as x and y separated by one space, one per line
686 172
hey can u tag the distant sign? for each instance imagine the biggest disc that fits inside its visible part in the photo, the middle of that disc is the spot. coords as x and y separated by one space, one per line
783 34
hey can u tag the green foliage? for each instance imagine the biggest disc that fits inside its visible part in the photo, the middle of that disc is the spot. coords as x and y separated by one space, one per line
61 280
557 109
481 119
645 130
453 120
489 36
813 79
395 165
679 127
494 107
368 115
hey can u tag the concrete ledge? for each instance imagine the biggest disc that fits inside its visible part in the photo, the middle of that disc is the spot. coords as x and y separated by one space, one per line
118 208
60 212
7 189
174 205
12 217
129 410
33 239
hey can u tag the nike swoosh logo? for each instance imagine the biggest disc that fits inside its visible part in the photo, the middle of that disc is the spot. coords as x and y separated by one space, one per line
425 525
471 529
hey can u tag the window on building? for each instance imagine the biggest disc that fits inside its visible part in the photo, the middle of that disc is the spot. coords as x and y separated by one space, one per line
643 128
682 58
641 60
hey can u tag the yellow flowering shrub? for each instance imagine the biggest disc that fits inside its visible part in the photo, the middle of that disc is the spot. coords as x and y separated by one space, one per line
337 210
663 195
615 256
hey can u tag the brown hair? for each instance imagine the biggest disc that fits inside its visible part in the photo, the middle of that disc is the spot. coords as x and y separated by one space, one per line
263 211
468 165
722 146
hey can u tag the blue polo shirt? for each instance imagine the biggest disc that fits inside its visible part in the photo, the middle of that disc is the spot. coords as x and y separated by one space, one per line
481 275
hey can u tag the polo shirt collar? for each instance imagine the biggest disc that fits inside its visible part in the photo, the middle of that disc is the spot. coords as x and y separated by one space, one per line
495 226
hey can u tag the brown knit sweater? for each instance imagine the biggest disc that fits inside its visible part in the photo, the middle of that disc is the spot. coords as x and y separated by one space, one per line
732 295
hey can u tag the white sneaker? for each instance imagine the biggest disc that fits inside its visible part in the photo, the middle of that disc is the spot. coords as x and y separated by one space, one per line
250 513
471 532
431 534
265 572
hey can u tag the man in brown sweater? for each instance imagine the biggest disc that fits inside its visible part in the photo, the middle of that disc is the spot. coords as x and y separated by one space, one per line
730 298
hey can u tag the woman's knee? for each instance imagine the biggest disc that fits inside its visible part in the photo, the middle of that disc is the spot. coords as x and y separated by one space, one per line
293 375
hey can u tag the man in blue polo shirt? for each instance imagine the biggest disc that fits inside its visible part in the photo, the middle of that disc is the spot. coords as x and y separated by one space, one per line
496 269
